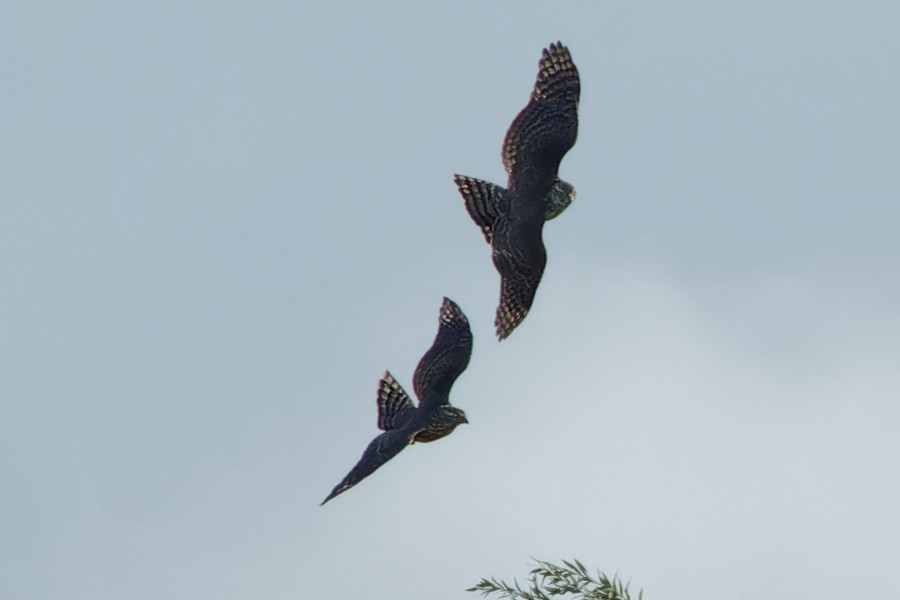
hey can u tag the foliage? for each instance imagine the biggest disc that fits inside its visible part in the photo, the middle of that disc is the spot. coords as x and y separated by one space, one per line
546 580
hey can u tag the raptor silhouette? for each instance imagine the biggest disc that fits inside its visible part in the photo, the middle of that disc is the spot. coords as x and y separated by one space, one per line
486 201
403 422
512 219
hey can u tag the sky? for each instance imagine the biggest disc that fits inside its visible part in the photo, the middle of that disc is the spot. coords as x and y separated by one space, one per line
221 222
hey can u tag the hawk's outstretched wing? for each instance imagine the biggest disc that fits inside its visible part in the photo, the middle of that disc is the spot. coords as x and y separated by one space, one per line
547 127
520 275
382 449
447 358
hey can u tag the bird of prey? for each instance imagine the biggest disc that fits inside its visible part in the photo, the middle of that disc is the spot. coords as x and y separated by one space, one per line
486 201
512 219
404 423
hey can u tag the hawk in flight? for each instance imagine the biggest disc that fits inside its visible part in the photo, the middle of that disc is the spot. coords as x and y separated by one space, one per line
403 422
512 219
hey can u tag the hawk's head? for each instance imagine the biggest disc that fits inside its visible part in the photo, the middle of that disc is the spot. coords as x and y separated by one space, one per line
559 198
453 415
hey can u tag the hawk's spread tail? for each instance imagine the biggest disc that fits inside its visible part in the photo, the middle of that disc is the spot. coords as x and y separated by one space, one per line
394 405
484 201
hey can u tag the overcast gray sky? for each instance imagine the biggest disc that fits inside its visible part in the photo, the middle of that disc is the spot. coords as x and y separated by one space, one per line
220 223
